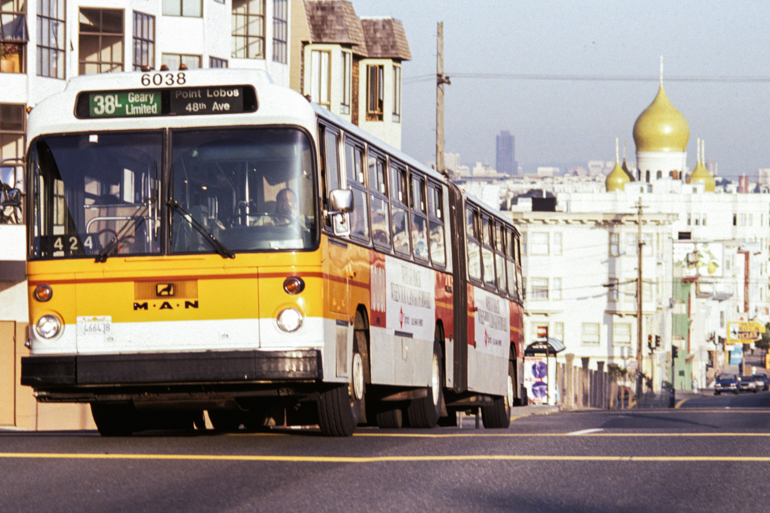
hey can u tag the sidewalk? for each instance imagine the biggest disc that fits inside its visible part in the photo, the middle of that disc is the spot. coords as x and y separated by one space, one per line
534 409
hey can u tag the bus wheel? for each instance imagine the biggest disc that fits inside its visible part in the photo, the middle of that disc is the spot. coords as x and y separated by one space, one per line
115 419
392 418
498 415
425 412
340 407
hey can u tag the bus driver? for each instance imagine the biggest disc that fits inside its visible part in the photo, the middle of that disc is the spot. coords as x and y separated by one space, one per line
286 206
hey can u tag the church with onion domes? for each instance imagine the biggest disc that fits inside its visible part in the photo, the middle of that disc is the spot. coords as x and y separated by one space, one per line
661 135
705 259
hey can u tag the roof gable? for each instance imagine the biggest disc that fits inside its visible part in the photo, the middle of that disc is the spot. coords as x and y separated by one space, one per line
335 21
385 39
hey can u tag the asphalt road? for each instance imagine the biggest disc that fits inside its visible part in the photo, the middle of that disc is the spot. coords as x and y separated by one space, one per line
709 454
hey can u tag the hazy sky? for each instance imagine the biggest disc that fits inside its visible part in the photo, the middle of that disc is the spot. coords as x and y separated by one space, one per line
577 118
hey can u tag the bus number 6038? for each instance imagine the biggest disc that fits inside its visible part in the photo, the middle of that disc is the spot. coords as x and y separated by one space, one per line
169 79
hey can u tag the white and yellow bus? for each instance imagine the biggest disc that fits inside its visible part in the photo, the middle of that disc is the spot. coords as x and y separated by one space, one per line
207 241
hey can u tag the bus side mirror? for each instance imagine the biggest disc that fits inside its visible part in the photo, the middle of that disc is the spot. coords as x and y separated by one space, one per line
10 198
8 176
341 201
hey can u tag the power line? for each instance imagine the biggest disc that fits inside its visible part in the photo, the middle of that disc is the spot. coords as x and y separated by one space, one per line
591 78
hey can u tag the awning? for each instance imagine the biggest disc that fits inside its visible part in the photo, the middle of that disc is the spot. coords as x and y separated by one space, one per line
551 347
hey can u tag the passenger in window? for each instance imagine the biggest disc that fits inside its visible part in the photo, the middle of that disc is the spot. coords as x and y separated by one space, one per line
419 238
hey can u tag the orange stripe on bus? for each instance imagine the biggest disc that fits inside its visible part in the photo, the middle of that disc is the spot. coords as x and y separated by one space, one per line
254 275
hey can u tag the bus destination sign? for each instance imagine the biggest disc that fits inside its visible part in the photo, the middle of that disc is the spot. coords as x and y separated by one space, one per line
178 101
124 104
206 100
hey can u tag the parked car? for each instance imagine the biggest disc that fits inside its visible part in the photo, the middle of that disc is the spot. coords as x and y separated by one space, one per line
726 383
761 381
747 384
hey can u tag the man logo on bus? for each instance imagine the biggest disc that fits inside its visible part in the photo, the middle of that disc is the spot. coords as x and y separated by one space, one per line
164 289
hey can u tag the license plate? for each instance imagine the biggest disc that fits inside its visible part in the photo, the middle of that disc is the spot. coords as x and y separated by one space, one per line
94 329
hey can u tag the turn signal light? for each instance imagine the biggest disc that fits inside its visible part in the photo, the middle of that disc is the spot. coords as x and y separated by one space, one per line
293 285
43 293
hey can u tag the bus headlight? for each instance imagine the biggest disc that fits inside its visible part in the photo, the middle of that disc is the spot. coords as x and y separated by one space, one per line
289 320
48 326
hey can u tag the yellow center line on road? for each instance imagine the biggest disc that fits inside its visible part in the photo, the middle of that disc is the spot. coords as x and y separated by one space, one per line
384 459
680 403
482 434
553 435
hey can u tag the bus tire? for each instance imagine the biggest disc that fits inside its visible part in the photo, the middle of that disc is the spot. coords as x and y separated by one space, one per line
392 418
425 412
115 419
339 407
498 415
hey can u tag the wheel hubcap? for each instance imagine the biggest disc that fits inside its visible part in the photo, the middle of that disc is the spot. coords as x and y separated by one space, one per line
358 377
509 396
435 379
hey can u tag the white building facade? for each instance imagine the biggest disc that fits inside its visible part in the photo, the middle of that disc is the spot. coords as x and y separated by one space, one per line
580 280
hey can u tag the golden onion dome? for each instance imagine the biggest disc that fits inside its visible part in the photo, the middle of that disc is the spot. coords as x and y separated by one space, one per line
628 173
617 179
700 174
661 127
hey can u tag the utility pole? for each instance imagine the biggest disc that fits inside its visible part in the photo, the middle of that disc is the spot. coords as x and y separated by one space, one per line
639 309
441 79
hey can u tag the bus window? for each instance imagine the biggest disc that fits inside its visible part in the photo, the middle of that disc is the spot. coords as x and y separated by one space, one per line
252 189
502 286
510 266
332 166
398 191
359 218
436 224
377 180
379 200
474 248
90 189
419 220
519 279
331 174
487 255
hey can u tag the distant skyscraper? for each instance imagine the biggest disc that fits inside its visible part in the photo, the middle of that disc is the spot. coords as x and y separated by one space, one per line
506 154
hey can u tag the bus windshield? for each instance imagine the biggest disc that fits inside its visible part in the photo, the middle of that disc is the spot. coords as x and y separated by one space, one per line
95 193
252 189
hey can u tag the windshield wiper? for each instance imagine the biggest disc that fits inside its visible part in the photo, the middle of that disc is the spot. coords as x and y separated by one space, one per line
134 220
207 235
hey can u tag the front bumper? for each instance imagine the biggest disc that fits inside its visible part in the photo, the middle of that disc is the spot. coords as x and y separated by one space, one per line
211 367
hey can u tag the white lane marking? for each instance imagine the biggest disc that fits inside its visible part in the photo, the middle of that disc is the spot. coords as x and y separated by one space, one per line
585 432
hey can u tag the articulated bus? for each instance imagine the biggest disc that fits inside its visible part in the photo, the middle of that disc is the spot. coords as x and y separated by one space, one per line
208 241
